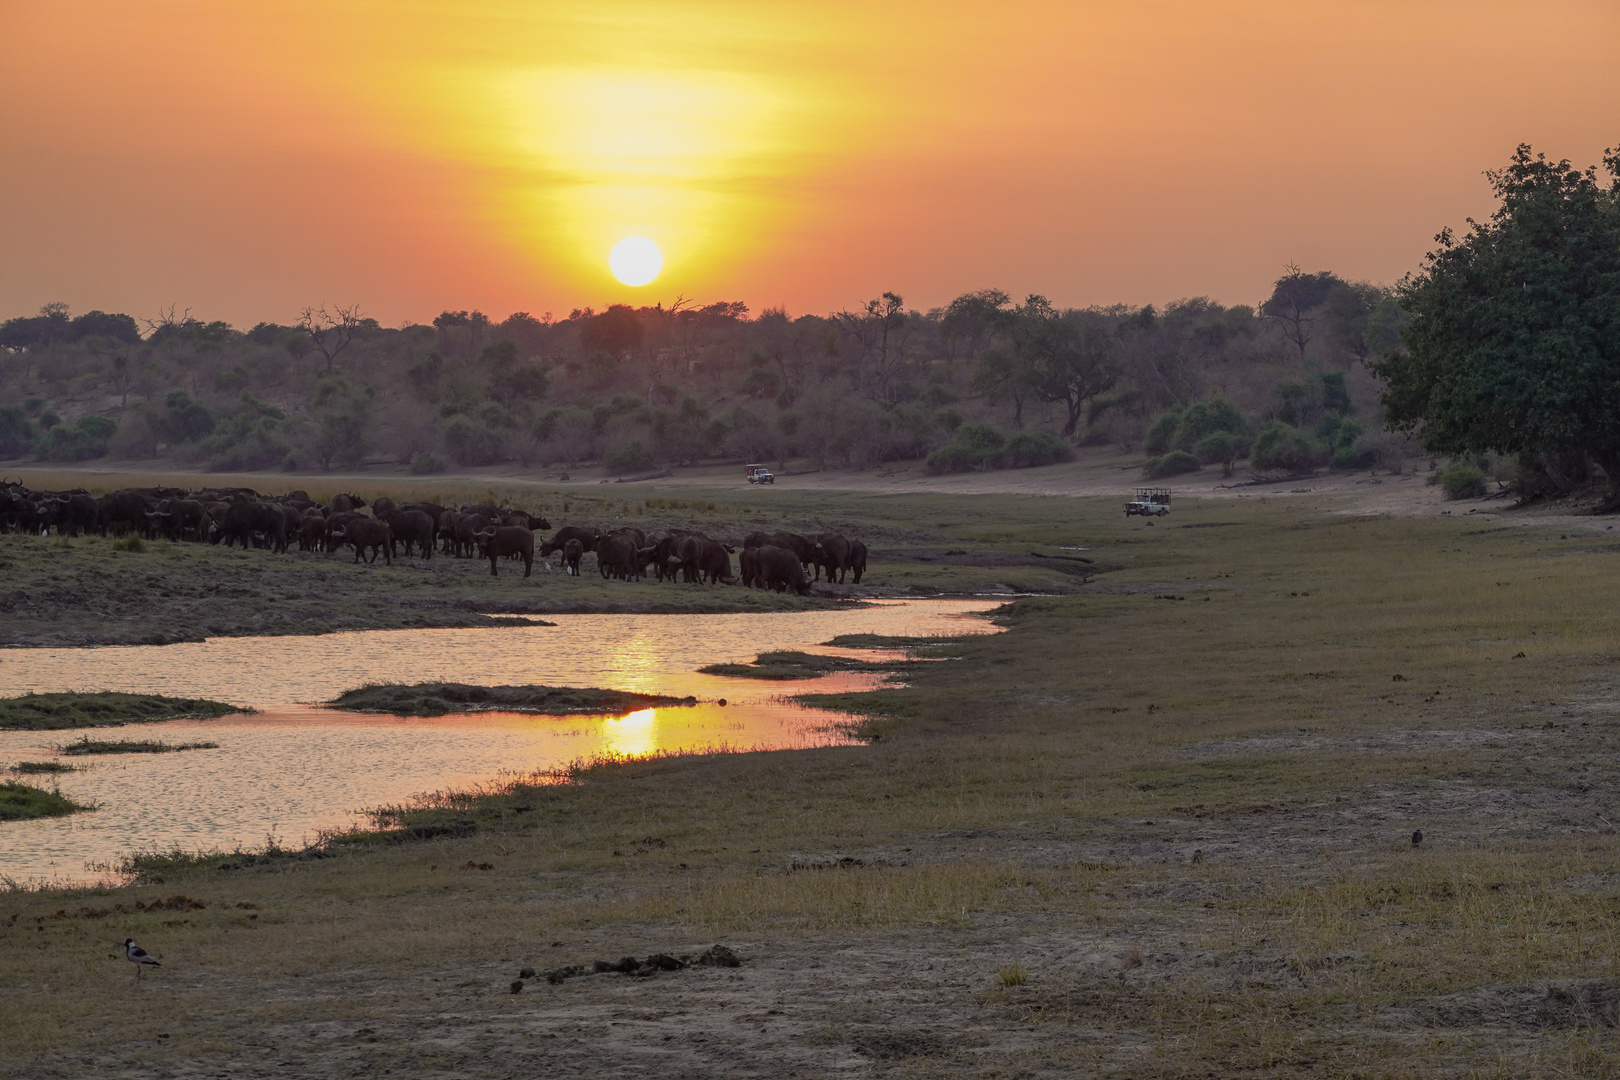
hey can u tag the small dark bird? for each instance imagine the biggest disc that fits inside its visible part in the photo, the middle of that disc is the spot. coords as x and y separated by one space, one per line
138 956
1417 837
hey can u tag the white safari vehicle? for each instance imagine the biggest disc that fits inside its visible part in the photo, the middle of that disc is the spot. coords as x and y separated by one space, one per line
1149 502
759 474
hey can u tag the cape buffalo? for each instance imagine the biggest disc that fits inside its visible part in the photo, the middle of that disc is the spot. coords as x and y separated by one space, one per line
806 549
701 557
780 569
748 567
470 524
363 532
587 535
507 540
312 533
124 511
244 517
573 551
411 527
834 550
857 559
616 556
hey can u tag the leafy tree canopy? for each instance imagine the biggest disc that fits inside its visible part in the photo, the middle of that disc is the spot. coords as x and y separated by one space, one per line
1513 343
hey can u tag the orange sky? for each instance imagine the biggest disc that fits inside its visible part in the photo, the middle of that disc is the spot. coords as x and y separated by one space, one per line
244 160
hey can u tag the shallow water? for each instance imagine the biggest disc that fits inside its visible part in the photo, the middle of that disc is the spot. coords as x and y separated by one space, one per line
293 770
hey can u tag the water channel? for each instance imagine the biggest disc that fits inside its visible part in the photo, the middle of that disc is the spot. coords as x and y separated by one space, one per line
293 769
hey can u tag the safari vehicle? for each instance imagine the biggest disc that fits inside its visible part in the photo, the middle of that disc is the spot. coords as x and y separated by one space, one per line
1149 502
759 474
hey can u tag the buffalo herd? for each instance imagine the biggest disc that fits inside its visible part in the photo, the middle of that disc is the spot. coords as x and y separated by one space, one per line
782 561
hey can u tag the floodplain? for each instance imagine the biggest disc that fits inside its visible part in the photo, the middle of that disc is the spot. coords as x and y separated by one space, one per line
1167 824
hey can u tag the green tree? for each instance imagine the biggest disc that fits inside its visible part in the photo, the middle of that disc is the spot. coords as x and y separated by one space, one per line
1513 343
1070 360
344 415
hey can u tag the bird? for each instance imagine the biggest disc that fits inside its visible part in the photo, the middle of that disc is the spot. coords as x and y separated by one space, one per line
1417 837
138 956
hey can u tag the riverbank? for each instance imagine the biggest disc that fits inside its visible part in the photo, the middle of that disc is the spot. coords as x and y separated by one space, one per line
73 592
1182 801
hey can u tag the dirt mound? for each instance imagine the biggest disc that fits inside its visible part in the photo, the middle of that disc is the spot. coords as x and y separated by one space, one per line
1565 1003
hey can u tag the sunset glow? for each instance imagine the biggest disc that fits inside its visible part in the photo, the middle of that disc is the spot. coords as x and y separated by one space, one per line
428 155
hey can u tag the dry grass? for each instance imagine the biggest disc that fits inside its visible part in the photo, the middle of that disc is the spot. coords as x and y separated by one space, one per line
1222 787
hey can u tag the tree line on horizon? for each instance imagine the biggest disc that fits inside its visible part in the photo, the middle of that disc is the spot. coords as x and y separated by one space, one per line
985 381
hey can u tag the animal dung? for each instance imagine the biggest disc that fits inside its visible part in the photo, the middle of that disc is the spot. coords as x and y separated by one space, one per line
715 956
1417 837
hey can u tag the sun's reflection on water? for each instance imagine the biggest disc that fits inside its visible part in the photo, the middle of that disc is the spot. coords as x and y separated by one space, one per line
633 735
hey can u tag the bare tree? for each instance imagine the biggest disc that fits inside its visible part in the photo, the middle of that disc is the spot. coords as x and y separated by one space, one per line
331 331
880 334
166 320
1295 296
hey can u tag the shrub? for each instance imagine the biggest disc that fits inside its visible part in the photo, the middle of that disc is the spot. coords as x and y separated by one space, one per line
632 457
1029 448
16 432
1161 434
1350 448
972 446
470 442
131 543
425 461
1462 481
250 437
1283 448
1206 417
183 420
1174 463
86 438
1220 448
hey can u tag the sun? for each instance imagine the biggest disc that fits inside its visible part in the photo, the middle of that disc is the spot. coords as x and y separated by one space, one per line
636 260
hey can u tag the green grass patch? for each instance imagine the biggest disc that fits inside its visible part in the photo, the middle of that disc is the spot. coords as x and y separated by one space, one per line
880 641
55 712
794 665
437 699
20 802
88 745
35 768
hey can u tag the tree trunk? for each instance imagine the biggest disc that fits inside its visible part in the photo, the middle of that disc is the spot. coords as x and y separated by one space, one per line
1609 461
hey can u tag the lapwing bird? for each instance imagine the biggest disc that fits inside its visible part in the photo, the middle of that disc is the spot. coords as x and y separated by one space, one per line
138 956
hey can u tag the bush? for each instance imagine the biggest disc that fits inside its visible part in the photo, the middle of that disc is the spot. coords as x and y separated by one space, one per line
632 457
1462 481
1030 448
87 438
134 438
1283 448
1349 448
470 442
1175 463
16 432
1207 417
131 543
250 437
1161 434
425 461
972 446
1220 448
183 420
